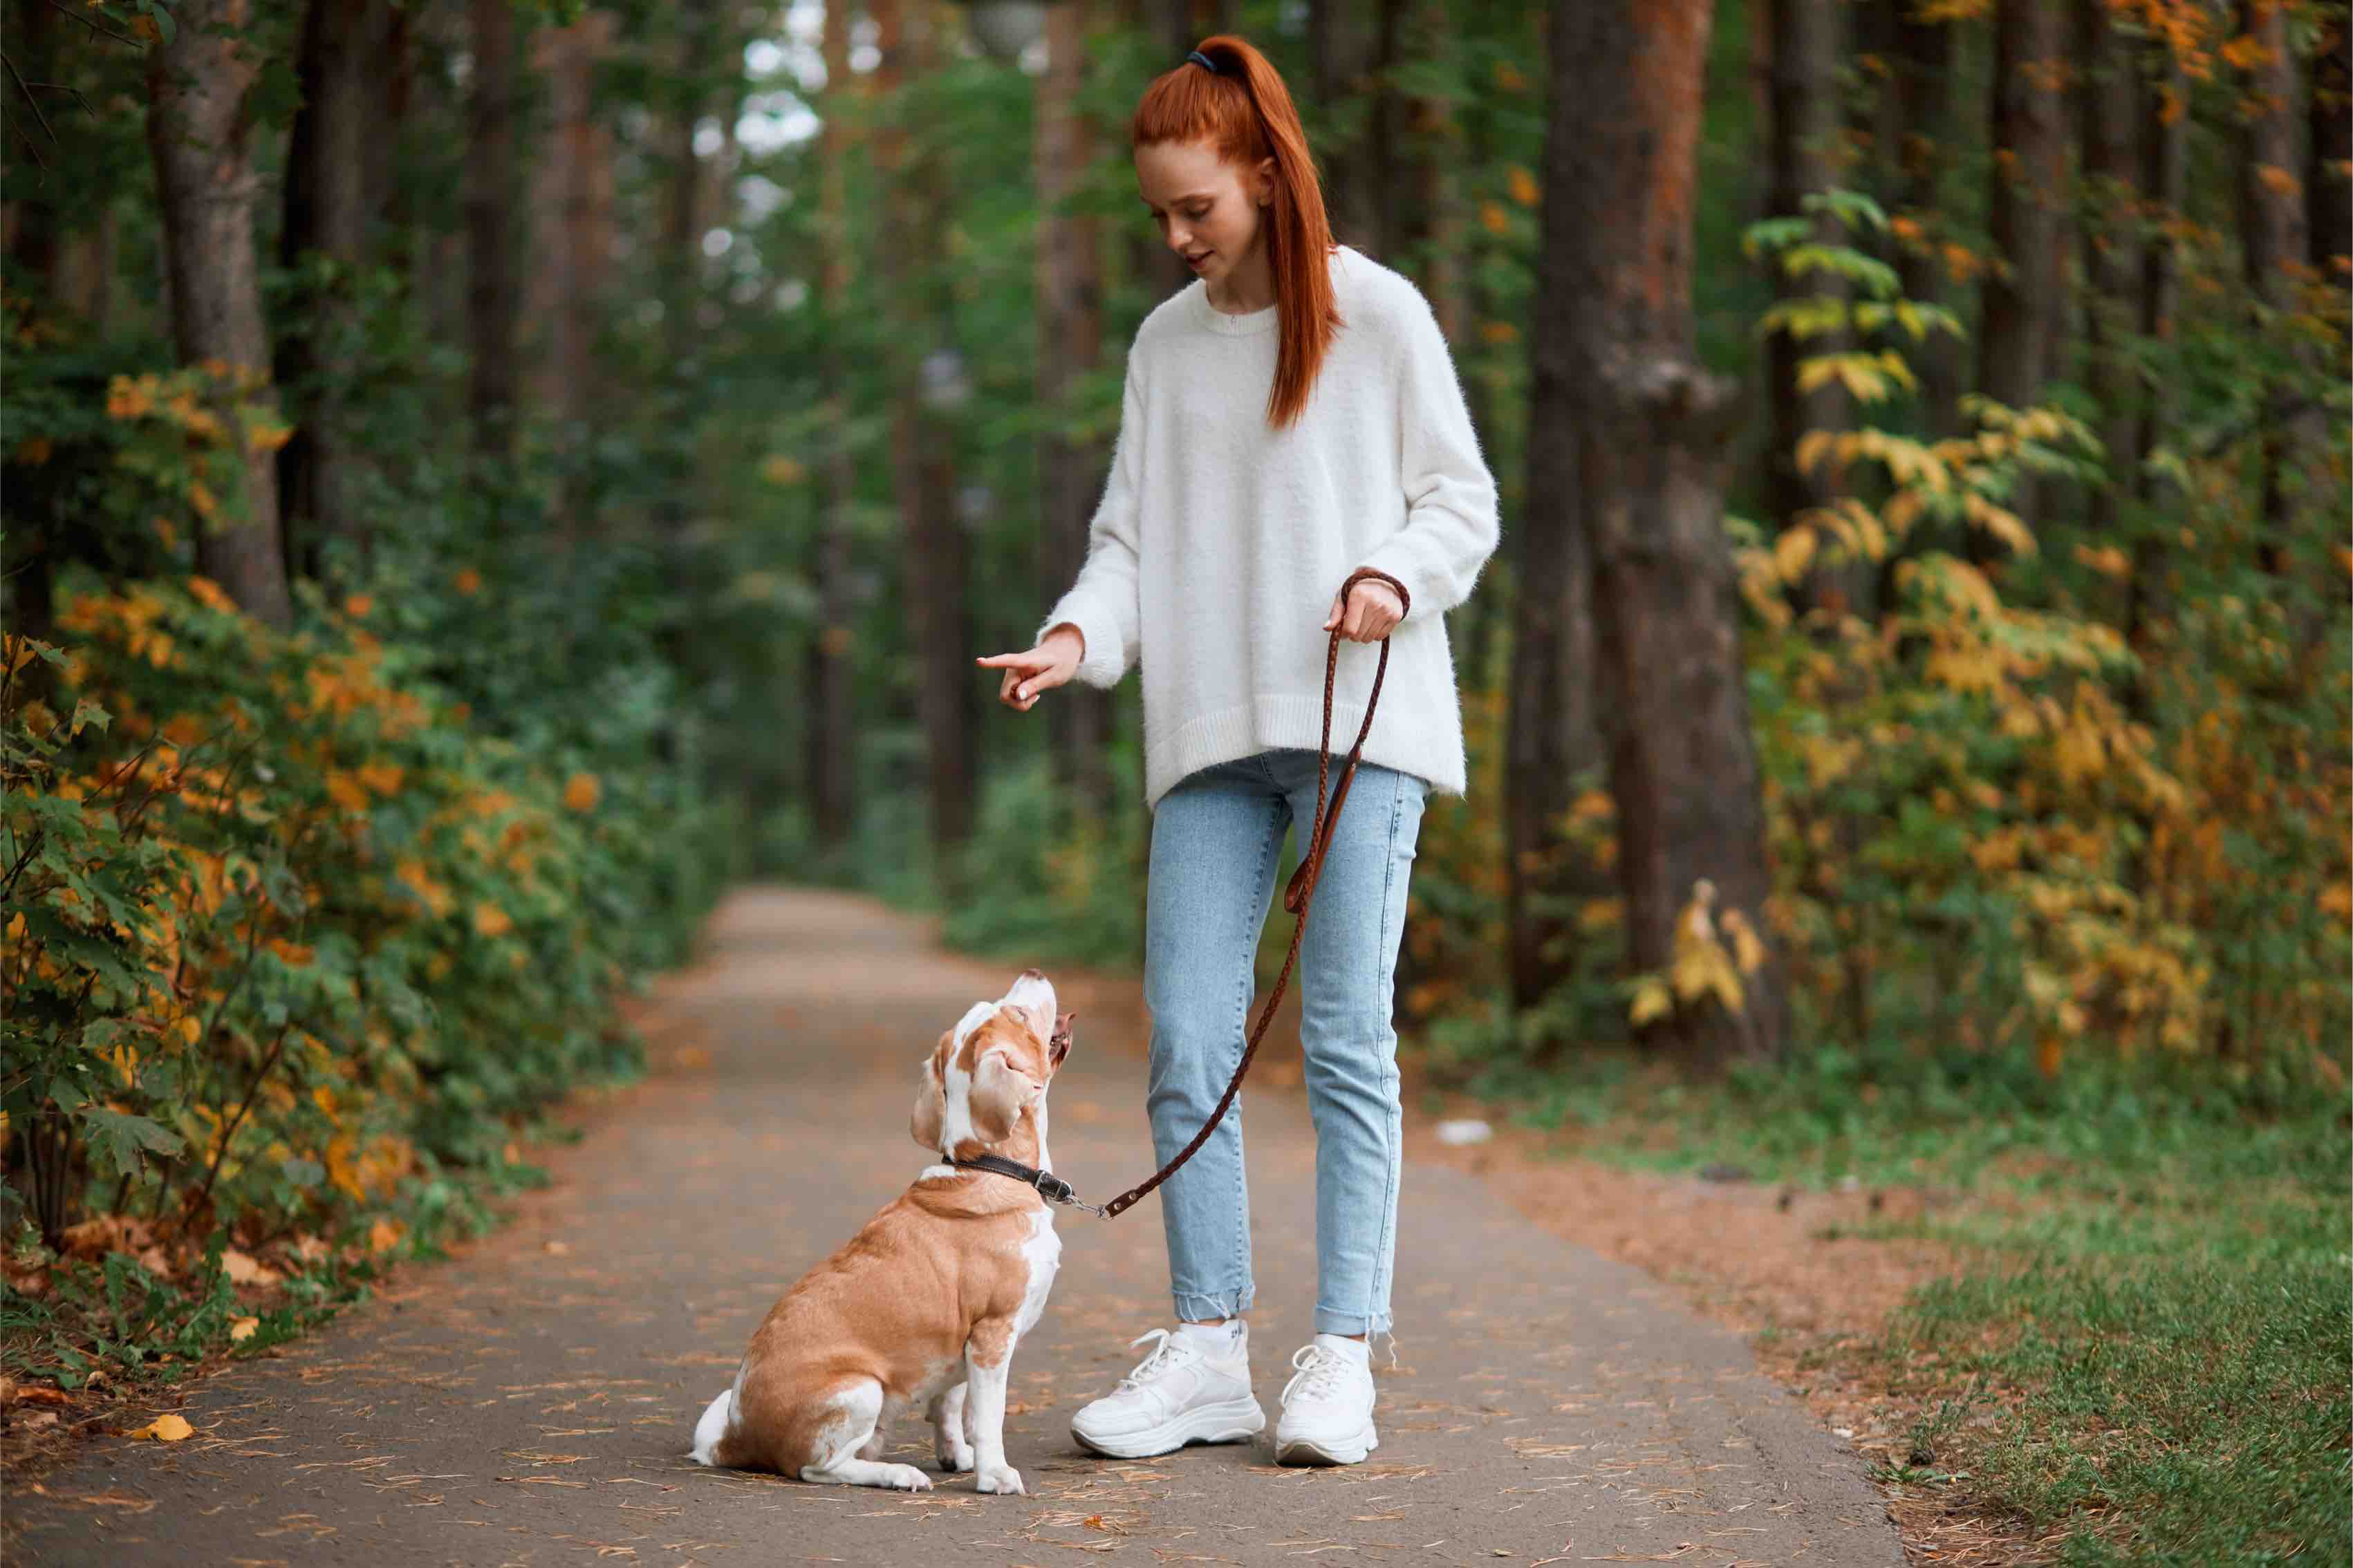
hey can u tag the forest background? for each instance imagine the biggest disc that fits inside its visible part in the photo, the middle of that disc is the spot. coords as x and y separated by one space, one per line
480 479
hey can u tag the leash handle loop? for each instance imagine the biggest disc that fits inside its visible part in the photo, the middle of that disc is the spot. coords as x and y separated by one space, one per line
1301 892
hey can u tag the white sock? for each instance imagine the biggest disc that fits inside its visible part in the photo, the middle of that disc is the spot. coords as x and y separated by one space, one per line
1356 1351
1218 1339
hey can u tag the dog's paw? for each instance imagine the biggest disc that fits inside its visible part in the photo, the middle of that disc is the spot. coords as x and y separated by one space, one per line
956 1458
904 1478
999 1479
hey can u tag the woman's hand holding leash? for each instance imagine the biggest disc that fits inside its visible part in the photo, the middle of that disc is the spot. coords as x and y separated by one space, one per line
1373 610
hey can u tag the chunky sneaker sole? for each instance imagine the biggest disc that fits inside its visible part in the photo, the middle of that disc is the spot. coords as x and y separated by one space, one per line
1328 1450
1228 1421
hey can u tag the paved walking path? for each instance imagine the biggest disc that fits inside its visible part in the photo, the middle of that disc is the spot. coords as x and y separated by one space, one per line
532 1402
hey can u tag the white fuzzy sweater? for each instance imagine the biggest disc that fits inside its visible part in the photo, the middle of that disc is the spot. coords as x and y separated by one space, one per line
1220 544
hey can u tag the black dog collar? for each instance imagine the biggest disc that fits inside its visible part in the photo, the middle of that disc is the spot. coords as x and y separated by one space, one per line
1050 1186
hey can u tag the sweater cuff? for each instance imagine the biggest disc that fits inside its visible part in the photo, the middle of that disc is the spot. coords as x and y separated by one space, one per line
1396 556
1103 662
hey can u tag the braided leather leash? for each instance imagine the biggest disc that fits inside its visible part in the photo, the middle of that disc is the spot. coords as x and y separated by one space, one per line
1301 892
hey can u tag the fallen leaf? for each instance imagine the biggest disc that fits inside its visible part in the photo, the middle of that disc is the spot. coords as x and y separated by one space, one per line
166 1429
244 1270
241 1329
559 1248
36 1393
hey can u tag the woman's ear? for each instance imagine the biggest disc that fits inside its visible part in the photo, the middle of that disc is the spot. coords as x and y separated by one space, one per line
929 1122
998 1092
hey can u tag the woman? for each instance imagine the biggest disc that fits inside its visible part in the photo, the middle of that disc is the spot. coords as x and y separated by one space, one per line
1289 417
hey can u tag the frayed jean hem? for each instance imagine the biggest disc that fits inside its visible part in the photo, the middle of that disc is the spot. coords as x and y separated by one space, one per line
1194 1308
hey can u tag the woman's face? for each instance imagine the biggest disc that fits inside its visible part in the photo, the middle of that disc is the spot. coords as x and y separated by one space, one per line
1207 209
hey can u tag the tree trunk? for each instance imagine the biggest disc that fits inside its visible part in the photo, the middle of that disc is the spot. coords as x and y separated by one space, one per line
34 234
1651 431
199 87
946 696
1422 228
1803 146
492 223
1343 48
572 202
2164 183
327 212
2108 116
394 91
1923 77
1070 342
698 24
2023 298
1550 739
2328 193
2276 245
830 736
86 271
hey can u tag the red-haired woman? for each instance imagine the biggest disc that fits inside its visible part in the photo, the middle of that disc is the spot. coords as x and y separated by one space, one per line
1290 417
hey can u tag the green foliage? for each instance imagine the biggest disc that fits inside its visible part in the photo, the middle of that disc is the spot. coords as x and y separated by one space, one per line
306 929
1051 885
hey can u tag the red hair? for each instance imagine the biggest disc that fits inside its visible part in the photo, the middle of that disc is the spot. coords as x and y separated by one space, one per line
1245 113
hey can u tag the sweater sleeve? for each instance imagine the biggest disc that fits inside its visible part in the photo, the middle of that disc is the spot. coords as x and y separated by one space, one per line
1450 525
1103 602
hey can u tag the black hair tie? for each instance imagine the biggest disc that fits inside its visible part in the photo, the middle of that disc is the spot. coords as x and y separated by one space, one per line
1197 57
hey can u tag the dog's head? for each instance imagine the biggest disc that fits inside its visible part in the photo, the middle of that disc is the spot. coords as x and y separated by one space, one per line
991 1068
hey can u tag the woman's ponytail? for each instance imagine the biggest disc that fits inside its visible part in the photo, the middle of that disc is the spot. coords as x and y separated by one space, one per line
1240 105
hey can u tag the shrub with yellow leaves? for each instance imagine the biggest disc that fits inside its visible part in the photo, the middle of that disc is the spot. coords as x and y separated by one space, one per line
291 945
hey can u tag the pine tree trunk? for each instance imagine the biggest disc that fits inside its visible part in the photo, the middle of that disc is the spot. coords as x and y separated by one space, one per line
1805 129
1550 739
2164 177
2276 246
2023 300
830 737
327 212
1343 48
2328 193
1426 229
1651 431
2108 119
572 202
1924 75
1070 342
946 694
199 89
491 239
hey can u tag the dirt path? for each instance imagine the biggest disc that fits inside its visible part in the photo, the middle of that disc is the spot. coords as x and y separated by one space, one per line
531 1403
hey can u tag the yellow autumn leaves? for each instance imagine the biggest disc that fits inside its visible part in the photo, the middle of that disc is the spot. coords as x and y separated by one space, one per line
1711 955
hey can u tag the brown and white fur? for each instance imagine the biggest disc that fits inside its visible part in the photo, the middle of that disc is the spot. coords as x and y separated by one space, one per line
924 1305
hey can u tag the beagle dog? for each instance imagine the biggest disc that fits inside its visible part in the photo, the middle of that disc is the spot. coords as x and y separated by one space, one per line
924 1305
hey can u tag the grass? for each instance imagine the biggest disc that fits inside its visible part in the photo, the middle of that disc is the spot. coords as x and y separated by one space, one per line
2149 1358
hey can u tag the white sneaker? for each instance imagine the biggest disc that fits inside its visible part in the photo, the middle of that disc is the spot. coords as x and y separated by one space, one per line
1328 1405
1183 1392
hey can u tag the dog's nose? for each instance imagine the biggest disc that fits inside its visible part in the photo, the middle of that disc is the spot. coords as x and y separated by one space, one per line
1033 974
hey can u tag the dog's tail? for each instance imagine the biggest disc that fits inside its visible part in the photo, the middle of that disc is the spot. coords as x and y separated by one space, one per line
718 1417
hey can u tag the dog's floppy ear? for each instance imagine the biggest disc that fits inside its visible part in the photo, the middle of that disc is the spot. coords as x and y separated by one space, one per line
998 1092
929 1122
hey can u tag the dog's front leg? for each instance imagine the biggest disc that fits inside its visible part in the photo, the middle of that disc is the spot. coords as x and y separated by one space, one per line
948 1427
988 1358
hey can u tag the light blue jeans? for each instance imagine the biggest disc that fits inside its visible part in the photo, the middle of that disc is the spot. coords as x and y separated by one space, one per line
1217 839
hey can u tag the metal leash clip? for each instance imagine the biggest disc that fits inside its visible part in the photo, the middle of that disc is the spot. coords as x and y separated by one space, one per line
1055 1190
